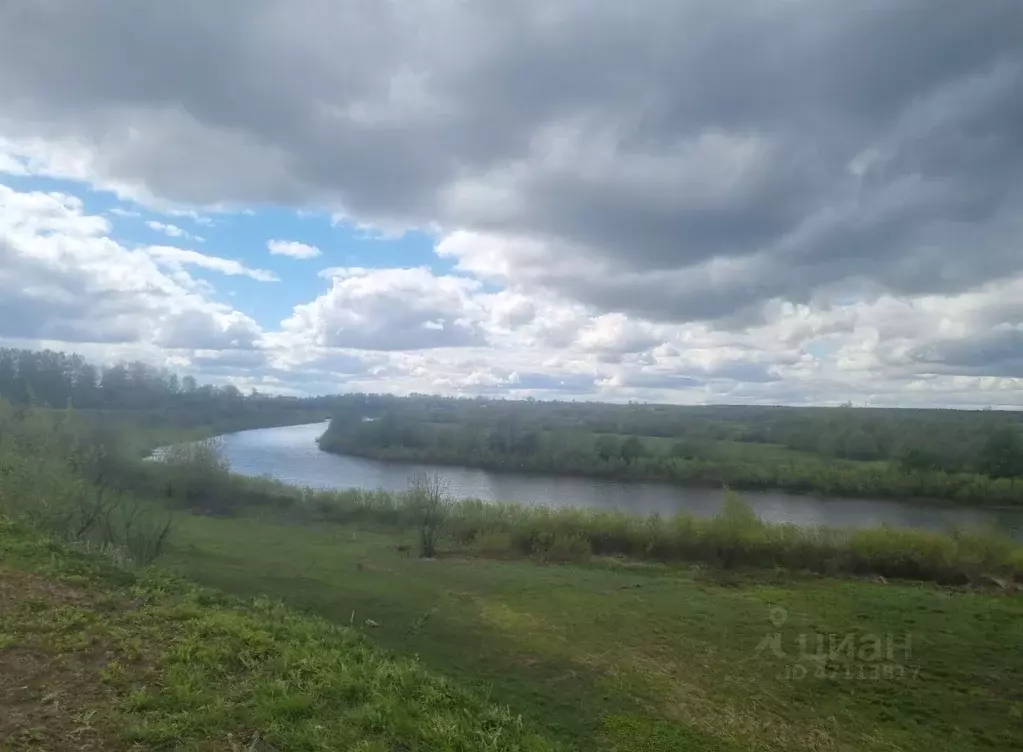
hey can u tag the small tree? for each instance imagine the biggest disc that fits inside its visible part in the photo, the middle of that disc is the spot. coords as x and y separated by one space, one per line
734 529
1002 456
632 449
426 504
607 447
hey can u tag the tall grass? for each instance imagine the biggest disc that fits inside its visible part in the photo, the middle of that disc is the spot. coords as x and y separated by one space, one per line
736 537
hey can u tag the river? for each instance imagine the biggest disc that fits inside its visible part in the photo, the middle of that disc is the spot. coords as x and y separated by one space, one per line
291 455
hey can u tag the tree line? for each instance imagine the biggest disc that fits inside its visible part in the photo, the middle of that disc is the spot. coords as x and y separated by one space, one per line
144 395
48 378
968 456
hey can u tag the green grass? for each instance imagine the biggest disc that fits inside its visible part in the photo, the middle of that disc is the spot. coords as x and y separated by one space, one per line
619 657
92 658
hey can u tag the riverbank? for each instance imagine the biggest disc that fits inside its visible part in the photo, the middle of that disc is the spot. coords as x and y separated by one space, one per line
886 454
401 460
813 477
734 538
141 432
291 455
195 477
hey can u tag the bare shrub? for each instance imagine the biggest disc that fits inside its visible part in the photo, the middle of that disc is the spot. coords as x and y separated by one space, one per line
425 505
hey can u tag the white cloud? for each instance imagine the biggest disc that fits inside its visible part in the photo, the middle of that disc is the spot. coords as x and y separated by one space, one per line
191 214
11 165
172 230
391 309
293 249
63 279
178 257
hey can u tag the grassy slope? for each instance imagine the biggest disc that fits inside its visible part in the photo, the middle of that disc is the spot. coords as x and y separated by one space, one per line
606 656
92 658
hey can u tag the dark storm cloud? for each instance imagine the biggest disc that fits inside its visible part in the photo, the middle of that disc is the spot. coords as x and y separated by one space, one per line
996 353
681 160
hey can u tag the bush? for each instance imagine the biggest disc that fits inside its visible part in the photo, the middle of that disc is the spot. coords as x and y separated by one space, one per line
912 554
495 542
567 547
197 476
737 534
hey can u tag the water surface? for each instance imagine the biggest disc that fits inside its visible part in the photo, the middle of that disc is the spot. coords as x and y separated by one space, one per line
291 455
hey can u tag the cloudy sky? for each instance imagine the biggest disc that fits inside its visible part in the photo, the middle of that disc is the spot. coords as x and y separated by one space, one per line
771 201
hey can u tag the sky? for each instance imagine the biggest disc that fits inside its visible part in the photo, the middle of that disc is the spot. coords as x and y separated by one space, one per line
766 202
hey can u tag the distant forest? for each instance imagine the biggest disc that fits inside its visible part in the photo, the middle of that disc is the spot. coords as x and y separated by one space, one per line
971 456
56 379
49 379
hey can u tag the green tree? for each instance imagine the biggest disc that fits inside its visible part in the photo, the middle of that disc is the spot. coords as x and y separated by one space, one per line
915 460
1002 456
860 445
632 449
607 446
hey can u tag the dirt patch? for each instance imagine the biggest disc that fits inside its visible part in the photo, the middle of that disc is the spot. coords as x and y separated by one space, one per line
48 700
18 588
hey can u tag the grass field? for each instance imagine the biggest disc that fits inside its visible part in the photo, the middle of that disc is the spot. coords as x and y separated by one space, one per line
94 658
642 657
